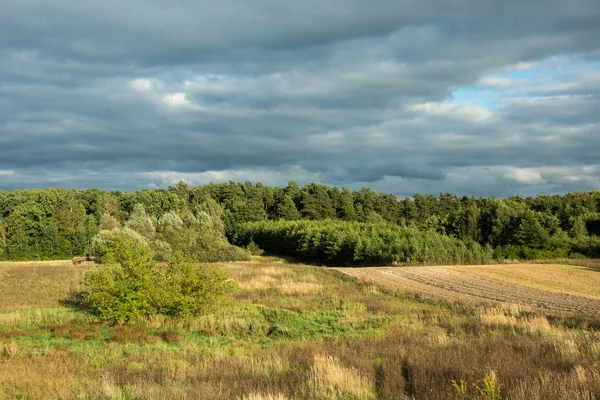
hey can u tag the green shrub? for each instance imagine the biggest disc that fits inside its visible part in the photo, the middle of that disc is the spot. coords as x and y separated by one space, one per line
254 249
104 244
131 286
223 252
123 290
189 291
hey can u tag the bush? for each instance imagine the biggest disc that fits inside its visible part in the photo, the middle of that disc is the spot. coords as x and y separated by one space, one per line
188 291
218 252
104 243
132 286
254 249
123 290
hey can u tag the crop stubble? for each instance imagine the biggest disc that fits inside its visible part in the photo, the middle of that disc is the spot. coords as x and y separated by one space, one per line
450 284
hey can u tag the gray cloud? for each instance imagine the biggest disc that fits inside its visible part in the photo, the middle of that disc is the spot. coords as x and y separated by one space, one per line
135 94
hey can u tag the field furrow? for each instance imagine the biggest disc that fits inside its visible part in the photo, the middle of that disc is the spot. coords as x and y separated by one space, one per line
450 284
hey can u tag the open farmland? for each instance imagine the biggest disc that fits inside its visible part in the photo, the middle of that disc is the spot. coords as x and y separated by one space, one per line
576 280
297 332
558 289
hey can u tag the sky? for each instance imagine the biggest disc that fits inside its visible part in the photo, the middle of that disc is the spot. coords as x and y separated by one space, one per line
475 97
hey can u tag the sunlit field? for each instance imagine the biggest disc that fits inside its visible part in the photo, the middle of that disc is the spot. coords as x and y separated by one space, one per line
300 332
577 280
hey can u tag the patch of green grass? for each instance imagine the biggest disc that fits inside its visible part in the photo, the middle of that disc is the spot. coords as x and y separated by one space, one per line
236 330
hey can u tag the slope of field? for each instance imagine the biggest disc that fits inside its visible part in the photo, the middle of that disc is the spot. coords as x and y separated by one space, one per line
463 285
558 278
37 284
299 332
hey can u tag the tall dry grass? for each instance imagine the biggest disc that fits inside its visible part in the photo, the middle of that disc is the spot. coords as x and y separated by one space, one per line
417 347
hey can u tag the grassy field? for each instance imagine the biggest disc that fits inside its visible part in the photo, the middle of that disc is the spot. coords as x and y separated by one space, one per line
291 332
37 285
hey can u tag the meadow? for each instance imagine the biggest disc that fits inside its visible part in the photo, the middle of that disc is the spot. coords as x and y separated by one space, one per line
295 331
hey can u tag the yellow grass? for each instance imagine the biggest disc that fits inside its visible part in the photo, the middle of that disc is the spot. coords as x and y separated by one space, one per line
423 346
331 380
569 279
39 284
34 263
510 315
258 396
284 278
299 287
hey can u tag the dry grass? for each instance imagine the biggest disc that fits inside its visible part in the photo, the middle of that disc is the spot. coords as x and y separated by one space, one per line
14 320
45 283
560 278
259 396
279 277
424 345
300 287
329 379
51 376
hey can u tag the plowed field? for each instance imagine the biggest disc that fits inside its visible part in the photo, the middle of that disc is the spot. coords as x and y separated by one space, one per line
452 284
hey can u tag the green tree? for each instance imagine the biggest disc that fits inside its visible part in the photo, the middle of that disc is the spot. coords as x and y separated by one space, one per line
2 238
286 209
141 222
182 190
107 204
108 222
578 229
531 233
86 235
190 290
124 290
549 221
25 232
345 206
366 199
252 210
70 218
464 222
316 203
293 190
17 241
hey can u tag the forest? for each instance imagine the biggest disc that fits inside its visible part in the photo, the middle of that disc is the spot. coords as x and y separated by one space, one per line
228 221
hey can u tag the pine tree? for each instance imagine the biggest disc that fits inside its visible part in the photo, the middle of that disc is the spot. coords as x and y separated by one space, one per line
286 209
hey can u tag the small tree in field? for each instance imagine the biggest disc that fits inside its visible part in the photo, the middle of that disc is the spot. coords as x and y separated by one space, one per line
190 291
130 285
123 289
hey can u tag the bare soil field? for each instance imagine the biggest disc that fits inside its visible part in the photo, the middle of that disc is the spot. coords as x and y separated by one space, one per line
451 283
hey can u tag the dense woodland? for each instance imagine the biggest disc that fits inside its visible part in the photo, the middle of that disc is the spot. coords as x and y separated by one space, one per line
314 222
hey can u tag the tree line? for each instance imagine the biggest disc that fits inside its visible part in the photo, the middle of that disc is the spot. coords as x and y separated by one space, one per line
359 243
62 223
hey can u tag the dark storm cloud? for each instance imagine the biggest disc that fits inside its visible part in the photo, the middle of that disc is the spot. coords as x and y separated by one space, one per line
129 94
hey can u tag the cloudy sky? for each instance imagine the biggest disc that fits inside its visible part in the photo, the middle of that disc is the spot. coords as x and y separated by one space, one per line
482 97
